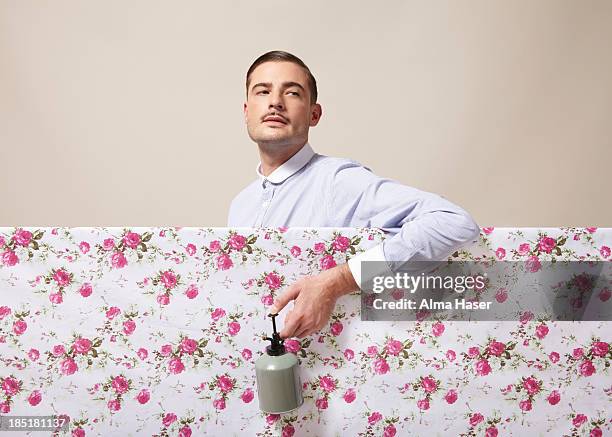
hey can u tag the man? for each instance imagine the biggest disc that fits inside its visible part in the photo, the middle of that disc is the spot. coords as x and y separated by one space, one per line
298 187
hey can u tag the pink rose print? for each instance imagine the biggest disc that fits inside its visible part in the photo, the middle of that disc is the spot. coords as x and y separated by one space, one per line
224 262
192 291
341 243
587 368
247 354
84 247
68 366
247 396
219 404
273 280
523 249
496 348
143 396
483 368
128 327
501 295
349 354
437 329
423 404
131 240
214 246
118 260
188 346
81 346
168 419
9 258
233 328
579 420
336 328
488 230
547 244
112 312
114 405
108 244
190 249
33 354
349 396
11 386
34 398
604 251
120 384
491 432
533 264
237 242
217 314
600 349
19 327
381 366
142 353
169 279
451 396
319 247
554 357
287 431
429 384
451 355
22 237
393 347
176 366
327 262
541 331
327 383
500 253
374 417
225 383
85 290
292 345
554 397
296 251
475 419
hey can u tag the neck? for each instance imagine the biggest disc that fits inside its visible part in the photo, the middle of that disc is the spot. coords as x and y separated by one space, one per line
272 157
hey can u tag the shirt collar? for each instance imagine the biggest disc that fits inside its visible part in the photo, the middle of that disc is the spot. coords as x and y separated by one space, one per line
289 167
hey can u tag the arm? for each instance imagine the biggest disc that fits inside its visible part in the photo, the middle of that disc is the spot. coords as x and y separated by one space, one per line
425 227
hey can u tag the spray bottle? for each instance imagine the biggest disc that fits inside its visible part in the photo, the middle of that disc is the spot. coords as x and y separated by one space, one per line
279 387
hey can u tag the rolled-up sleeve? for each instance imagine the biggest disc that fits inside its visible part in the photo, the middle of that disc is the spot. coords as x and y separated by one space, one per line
423 226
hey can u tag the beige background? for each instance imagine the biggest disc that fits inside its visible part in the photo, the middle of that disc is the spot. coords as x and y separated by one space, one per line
130 112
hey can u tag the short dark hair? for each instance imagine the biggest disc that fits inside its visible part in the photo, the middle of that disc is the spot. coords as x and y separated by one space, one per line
280 56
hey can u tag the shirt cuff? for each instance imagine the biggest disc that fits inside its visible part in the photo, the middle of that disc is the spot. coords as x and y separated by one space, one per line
373 254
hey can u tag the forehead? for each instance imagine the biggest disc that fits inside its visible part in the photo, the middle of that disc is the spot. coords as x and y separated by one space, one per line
278 72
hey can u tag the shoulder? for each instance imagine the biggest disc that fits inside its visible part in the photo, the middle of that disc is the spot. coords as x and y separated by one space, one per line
245 195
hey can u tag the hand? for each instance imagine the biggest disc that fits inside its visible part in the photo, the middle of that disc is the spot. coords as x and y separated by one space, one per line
315 298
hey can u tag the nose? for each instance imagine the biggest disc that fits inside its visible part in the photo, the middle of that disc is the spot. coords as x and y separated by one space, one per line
276 101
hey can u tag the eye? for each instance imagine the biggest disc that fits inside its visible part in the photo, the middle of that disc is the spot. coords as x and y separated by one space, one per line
262 92
294 92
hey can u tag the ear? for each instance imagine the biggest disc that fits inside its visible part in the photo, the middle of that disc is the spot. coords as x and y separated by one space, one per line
246 112
315 114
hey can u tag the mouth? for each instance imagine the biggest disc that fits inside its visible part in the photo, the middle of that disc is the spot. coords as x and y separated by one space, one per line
274 119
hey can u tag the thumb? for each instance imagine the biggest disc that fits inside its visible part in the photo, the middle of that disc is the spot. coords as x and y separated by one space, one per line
281 302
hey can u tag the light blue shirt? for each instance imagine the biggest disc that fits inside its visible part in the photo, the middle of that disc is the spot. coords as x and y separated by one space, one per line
314 190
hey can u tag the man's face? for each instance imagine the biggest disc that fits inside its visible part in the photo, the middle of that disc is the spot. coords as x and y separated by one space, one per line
278 110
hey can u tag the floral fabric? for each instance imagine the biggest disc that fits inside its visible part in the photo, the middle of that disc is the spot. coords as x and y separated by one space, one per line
155 331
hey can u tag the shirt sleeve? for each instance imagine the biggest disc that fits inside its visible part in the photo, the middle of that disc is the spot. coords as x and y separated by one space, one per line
424 226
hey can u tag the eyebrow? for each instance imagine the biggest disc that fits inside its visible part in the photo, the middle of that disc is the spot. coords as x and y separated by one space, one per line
283 85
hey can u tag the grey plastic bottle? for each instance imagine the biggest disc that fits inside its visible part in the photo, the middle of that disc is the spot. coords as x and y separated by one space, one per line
279 387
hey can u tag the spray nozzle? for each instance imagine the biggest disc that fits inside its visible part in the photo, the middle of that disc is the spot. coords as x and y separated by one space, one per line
277 347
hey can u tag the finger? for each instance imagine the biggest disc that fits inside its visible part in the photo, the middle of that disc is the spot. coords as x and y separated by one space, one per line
303 333
281 301
292 324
